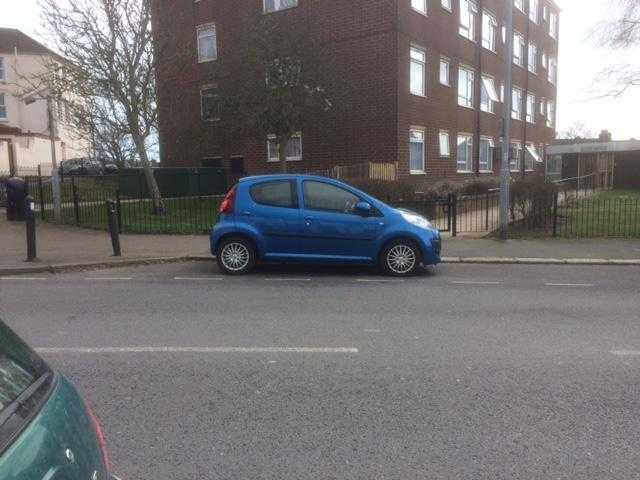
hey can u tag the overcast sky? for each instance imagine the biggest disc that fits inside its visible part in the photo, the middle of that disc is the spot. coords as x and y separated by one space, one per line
579 63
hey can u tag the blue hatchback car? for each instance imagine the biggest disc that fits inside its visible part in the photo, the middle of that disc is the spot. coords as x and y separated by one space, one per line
301 218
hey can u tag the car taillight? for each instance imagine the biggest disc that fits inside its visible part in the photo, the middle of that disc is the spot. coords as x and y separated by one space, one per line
95 423
227 204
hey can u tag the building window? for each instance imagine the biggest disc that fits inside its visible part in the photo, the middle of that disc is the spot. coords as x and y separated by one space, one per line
533 58
519 4
531 108
534 8
553 70
293 149
446 4
276 5
209 104
489 31
488 95
445 72
465 153
3 74
3 107
468 13
544 59
531 157
207 48
554 165
551 114
486 154
515 157
416 151
519 48
516 106
418 60
466 81
543 107
419 6
545 12
445 146
553 24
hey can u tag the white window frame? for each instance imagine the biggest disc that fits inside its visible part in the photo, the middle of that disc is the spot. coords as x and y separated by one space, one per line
417 132
444 143
532 58
531 109
3 106
543 107
544 60
273 146
489 31
545 12
445 81
446 4
466 89
553 70
519 49
416 62
553 24
517 97
534 11
517 165
532 150
489 163
419 6
551 114
3 70
200 29
277 6
468 165
488 94
519 4
469 12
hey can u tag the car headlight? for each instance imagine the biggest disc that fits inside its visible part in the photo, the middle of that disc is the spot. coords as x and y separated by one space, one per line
417 220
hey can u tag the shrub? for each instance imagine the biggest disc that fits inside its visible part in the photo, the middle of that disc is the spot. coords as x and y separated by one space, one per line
532 200
478 187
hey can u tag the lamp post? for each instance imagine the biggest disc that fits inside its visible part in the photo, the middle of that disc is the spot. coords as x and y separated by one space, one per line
505 174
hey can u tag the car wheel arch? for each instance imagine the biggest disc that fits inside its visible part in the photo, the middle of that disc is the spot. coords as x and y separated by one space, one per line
244 235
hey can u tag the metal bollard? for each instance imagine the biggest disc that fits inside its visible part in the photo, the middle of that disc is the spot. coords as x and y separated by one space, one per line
30 220
113 228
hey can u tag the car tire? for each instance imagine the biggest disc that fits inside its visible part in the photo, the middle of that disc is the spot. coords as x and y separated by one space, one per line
400 258
236 256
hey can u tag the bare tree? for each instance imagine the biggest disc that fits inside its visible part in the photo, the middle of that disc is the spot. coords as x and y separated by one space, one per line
109 64
577 131
621 32
282 87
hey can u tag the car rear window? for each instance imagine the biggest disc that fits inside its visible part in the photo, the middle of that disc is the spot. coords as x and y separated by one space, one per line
24 382
281 193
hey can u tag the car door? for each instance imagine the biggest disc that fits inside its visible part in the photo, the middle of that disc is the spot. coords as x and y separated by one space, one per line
273 211
332 228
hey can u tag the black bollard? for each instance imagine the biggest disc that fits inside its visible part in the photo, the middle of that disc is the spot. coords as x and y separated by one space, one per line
30 220
113 228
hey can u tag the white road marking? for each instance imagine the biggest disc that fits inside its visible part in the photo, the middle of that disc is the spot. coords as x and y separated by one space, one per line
198 278
475 283
378 280
626 353
23 278
108 279
284 279
569 284
99 350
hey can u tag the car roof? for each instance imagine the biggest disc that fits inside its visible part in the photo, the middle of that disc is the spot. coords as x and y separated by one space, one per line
285 176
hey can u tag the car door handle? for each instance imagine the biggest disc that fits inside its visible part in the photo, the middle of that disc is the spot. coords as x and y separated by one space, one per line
247 214
308 221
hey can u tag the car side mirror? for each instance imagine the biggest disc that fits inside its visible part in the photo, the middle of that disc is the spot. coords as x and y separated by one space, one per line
363 208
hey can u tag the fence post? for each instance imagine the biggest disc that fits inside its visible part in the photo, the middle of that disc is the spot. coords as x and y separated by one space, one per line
76 200
454 216
119 210
113 228
555 214
487 214
41 192
30 220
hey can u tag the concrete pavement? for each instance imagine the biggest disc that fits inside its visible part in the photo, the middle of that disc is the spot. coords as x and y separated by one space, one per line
483 372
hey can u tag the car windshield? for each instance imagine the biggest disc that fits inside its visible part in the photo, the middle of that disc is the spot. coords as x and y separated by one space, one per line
20 367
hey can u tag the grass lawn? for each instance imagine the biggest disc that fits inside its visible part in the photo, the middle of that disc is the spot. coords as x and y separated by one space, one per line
615 213
190 215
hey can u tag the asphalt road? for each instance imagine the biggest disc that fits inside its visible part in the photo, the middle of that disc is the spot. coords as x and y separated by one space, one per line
467 372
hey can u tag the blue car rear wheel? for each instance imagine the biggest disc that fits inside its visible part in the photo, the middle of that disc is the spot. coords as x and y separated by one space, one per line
236 256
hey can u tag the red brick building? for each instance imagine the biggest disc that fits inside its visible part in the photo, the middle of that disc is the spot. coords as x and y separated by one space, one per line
426 78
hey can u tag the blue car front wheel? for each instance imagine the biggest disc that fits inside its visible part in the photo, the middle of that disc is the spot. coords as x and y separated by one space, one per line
400 258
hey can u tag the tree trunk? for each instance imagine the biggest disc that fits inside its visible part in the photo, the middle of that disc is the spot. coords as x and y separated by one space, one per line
152 185
282 153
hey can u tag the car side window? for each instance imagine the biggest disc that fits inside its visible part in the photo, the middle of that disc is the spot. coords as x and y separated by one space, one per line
281 193
324 196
